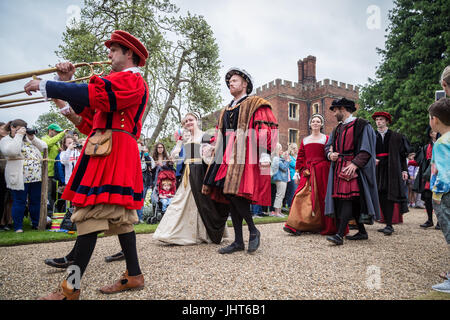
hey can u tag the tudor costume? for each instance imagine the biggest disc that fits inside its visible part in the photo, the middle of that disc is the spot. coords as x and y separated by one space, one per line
392 152
107 189
313 168
354 196
193 217
246 130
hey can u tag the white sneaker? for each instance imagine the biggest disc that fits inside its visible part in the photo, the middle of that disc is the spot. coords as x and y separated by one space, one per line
420 204
19 231
442 287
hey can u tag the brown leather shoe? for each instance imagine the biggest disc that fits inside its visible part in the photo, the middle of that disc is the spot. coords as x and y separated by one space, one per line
64 292
126 282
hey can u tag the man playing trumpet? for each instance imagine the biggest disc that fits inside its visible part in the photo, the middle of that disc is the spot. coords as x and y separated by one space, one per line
106 185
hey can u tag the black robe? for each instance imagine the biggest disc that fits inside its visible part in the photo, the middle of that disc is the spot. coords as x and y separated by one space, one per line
389 169
365 140
213 214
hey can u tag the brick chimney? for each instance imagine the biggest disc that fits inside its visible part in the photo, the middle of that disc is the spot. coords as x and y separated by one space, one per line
309 70
300 71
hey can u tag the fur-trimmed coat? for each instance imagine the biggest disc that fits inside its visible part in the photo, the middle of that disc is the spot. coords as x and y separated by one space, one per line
257 131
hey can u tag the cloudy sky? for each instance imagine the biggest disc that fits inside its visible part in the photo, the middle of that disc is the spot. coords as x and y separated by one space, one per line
265 37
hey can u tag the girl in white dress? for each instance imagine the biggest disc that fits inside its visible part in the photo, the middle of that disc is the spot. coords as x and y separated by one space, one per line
192 217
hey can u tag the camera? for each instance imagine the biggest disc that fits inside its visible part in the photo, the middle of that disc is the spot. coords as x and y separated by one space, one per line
79 146
32 131
439 94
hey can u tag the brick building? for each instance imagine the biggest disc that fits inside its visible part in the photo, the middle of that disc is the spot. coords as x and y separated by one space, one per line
294 102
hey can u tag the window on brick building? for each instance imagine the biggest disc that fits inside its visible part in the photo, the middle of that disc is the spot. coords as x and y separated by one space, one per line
293 135
315 108
293 111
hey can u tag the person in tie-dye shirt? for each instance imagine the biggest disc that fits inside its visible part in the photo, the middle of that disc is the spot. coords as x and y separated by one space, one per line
440 172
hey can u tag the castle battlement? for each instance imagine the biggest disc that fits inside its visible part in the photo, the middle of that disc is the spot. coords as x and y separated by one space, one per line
306 84
309 95
280 85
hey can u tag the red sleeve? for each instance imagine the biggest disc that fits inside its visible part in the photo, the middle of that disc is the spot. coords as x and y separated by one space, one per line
266 128
85 127
361 159
117 91
300 163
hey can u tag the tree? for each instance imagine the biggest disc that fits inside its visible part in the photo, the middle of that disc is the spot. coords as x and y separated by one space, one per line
50 117
189 75
417 50
182 69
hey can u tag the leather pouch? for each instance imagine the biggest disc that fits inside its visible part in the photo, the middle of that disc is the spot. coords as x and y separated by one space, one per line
347 177
100 144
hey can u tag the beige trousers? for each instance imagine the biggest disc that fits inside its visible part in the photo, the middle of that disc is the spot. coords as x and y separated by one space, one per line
108 218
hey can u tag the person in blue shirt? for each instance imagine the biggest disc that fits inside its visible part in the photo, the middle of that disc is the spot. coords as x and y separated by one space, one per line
291 185
280 175
440 173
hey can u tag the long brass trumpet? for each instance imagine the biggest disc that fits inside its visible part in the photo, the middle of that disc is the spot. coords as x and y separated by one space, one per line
9 103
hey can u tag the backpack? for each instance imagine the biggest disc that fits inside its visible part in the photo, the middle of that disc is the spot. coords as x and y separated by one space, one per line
59 170
67 224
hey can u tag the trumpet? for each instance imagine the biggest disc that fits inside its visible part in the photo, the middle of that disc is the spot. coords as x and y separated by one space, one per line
9 103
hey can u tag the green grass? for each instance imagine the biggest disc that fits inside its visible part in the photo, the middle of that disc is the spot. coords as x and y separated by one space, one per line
434 295
10 238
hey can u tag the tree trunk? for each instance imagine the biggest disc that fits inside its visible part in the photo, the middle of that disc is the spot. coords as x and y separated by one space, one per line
44 192
172 92
147 106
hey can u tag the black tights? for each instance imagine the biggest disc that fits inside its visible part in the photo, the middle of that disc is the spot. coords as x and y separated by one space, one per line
240 210
85 245
429 208
346 211
427 199
387 207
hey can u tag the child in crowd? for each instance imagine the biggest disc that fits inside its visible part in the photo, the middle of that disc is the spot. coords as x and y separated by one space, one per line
440 173
166 194
69 155
413 167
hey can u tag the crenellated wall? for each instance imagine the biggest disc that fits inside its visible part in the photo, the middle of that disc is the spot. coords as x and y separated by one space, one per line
307 93
278 86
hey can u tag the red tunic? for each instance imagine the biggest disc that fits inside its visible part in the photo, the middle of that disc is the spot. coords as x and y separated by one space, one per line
312 157
116 101
255 184
344 145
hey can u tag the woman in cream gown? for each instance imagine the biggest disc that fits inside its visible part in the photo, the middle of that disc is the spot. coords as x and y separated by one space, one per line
192 217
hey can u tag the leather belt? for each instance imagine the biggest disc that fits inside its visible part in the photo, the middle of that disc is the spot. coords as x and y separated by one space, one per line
129 133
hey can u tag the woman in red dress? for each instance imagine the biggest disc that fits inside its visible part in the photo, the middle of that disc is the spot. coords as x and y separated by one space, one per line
312 168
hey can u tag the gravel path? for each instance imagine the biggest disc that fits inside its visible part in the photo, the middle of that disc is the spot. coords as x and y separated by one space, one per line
284 267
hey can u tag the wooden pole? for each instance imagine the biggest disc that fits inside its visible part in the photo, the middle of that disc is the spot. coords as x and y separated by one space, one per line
44 192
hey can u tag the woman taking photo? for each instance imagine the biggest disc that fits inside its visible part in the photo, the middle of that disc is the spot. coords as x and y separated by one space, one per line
23 172
308 203
69 156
